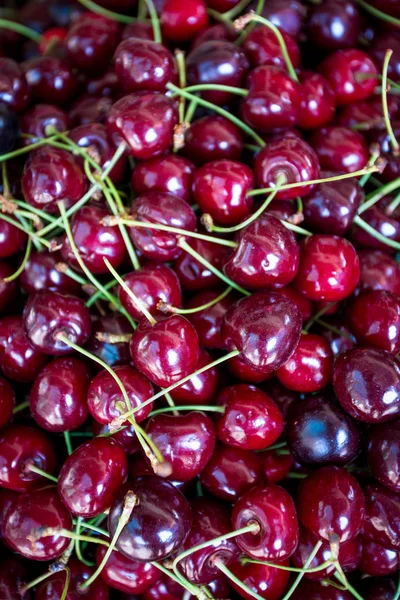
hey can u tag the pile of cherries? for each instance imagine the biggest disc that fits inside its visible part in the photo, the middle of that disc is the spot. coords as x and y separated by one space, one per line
200 299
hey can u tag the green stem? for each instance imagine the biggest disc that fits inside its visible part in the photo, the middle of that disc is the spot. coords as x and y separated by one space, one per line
34 582
181 580
109 14
180 62
191 111
378 13
125 235
21 406
200 407
248 591
305 570
334 329
397 593
38 471
78 544
155 21
25 229
212 86
191 311
236 10
296 228
349 587
67 582
385 109
22 266
393 205
300 575
97 295
372 160
376 234
22 29
383 191
317 315
29 148
67 439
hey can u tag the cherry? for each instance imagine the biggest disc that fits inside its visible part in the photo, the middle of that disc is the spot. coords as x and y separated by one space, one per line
9 129
90 109
268 582
181 23
153 283
385 224
7 401
159 591
124 574
384 454
207 322
382 519
145 122
366 382
329 268
216 62
303 304
210 520
92 476
139 466
126 436
111 352
331 503
28 518
12 579
8 289
19 361
222 5
213 138
163 209
231 472
166 351
138 29
195 276
340 149
379 271
382 138
276 466
167 174
382 588
52 41
378 48
243 372
14 91
35 121
158 524
262 48
284 398
334 25
40 273
50 79
143 65
47 314
94 241
319 432
267 255
105 84
220 188
319 591
201 388
53 587
317 101
91 41
288 15
51 175
289 159
377 560
220 32
264 328
339 340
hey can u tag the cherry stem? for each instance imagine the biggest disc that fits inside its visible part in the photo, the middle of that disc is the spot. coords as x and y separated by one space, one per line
389 209
34 469
66 585
191 111
385 109
300 575
220 565
22 29
342 579
25 228
317 315
21 406
383 191
35 582
230 14
200 407
397 593
167 308
213 86
67 439
305 571
296 228
203 261
50 531
296 475
376 234
155 22
177 578
26 149
180 62
375 154
97 295
219 110
334 330
378 13
109 14
78 549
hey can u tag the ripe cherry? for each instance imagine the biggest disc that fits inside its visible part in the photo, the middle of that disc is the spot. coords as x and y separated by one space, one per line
200 389
384 454
113 353
9 129
19 361
317 101
340 149
8 289
50 79
319 591
138 29
244 373
269 582
40 273
126 575
13 577
126 436
169 173
377 561
382 519
54 586
213 138
380 44
90 109
195 276
207 322
339 340
379 271
262 48
7 401
14 89
40 116
180 23
378 219
91 41
276 466
334 24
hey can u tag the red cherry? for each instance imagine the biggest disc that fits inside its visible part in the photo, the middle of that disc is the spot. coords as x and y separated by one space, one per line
7 402
334 24
54 586
340 149
207 322
200 389
50 37
90 109
317 101
276 466
19 361
269 582
213 138
169 174
262 48
40 116
13 577
50 79
91 41
126 575
180 23
14 91
40 273
126 437
303 304
382 520
384 454
319 591
195 276
377 560
244 373
113 353
379 271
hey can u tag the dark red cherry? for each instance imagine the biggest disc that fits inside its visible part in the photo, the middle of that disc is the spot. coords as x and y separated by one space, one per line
105 84
220 189
158 524
382 519
200 389
166 351
19 361
94 241
329 268
193 275
7 401
159 590
334 24
20 447
319 591
265 328
222 5
90 109
262 48
267 255
53 587
145 122
377 561
231 472
382 138
58 395
91 41
284 398
382 588
162 209
14 91
219 32
186 442
138 29
317 101
28 518
180 23
113 353
207 322
288 15
340 149
331 207
268 582
384 454
303 304
213 138
251 421
153 283
210 520
41 273
51 175
273 510
339 340
143 65
378 219
91 477
104 394
47 314
380 44
35 121
319 432
218 63
50 79
379 271
367 384
244 373
11 239
8 289
12 578
290 160
276 466
126 575
126 436
331 503
169 173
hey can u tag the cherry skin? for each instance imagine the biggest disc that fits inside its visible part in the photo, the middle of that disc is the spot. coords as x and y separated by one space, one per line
318 591
379 271
14 89
251 421
8 289
378 48
126 437
317 101
7 401
340 149
9 129
153 283
309 369
169 174
331 503
340 340
262 48
143 65
193 275
382 588
144 537
377 561
166 351
90 42
290 159
53 587
244 373
58 395
273 510
201 388
276 466
319 432
387 225
213 138
163 209
207 322
384 454
329 268
40 273
334 25
265 328
113 353
288 15
19 361
126 575
303 304
145 121
12 579
50 80
104 85
159 590
40 116
367 384
94 241
231 472
220 188
181 23
138 29
267 255
210 520
47 314
219 32
91 477
382 519
382 138
269 582
32 512
90 109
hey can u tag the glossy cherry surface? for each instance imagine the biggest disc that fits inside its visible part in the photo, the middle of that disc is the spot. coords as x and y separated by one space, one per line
41 273
126 575
126 437
384 454
377 560
340 149
54 586
334 24
14 90
90 109
382 518
269 582
143 65
379 271
50 79
200 389
207 322
213 138
377 218
169 173
19 361
317 101
195 276
262 48
90 42
36 119
180 23
276 466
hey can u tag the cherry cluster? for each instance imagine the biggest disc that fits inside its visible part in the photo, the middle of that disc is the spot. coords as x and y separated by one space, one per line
200 300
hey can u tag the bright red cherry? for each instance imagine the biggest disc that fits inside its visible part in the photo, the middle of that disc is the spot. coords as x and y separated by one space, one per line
169 173
213 138
317 101
40 116
269 582
19 361
53 587
207 322
143 65
14 91
50 79
382 519
262 48
244 373
126 575
41 273
379 271
340 149
201 388
195 276
91 41
377 561
334 24
180 23
384 454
